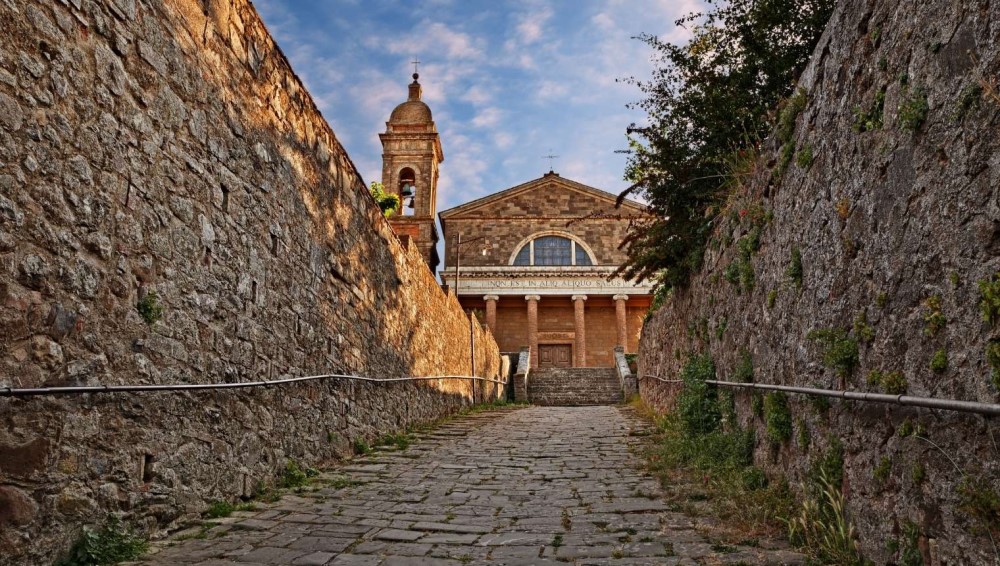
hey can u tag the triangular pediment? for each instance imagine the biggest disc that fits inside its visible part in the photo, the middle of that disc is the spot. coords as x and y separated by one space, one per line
548 196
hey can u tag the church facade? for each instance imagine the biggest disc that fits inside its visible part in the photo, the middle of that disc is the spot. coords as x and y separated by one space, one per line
536 261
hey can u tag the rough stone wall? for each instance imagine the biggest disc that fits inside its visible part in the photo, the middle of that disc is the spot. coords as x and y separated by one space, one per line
884 220
168 147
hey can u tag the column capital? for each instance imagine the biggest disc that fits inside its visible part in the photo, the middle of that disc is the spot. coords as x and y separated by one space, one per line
532 298
579 297
620 297
491 297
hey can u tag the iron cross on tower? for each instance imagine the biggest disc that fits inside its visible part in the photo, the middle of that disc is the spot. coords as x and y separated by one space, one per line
550 157
415 62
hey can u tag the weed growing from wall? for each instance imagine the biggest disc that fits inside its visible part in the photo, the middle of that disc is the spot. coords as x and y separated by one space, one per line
756 404
819 404
882 471
968 100
981 502
777 417
361 447
934 319
804 158
743 372
149 308
892 383
720 328
939 361
789 113
112 543
840 351
803 438
862 329
740 272
989 302
843 208
871 119
993 359
910 554
794 270
912 112
881 300
697 404
829 465
293 476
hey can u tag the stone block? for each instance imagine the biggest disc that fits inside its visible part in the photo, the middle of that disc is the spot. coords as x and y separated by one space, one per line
25 459
16 507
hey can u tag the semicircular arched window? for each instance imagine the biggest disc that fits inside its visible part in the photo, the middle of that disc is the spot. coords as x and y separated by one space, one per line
552 250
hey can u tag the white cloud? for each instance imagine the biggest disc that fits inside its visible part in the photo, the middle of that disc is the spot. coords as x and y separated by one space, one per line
486 118
503 140
531 26
432 37
477 94
551 89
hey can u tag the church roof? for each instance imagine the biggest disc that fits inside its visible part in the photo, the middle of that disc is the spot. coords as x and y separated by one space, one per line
411 112
542 182
414 110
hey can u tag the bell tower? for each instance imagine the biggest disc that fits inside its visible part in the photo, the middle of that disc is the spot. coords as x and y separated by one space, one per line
411 157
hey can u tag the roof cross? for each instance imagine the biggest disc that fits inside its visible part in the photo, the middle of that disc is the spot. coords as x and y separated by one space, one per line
550 157
415 62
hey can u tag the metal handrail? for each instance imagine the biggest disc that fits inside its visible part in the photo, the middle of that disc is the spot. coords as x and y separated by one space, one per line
29 392
990 409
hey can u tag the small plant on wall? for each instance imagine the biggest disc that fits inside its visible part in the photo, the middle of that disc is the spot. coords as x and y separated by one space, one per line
149 308
388 203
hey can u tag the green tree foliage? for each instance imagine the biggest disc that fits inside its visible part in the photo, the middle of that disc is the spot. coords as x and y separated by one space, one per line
708 105
387 202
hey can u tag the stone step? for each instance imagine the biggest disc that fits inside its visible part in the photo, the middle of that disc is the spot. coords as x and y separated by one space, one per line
574 386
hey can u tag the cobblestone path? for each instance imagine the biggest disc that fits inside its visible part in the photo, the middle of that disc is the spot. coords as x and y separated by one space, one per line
528 486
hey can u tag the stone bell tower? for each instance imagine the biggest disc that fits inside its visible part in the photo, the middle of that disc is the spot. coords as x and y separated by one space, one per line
411 156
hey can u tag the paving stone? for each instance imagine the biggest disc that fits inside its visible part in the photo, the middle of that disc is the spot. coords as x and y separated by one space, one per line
314 559
468 494
398 534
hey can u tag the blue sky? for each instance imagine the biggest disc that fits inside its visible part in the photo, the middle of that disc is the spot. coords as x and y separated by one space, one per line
507 81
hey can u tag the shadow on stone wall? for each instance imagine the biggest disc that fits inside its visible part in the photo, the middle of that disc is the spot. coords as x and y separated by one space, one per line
162 149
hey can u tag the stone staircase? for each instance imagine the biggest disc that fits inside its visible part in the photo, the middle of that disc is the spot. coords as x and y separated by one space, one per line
574 386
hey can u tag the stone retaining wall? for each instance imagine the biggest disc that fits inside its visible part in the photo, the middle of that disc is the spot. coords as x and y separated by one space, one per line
884 221
167 147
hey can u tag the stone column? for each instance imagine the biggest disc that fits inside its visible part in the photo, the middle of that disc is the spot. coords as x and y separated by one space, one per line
491 312
622 320
580 330
533 327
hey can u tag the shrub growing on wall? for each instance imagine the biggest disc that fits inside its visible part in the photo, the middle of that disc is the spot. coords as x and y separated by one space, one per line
698 403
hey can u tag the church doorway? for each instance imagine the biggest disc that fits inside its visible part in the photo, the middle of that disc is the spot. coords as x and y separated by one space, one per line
555 355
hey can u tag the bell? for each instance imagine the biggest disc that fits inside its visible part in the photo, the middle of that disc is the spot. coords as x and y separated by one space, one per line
408 190
412 204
